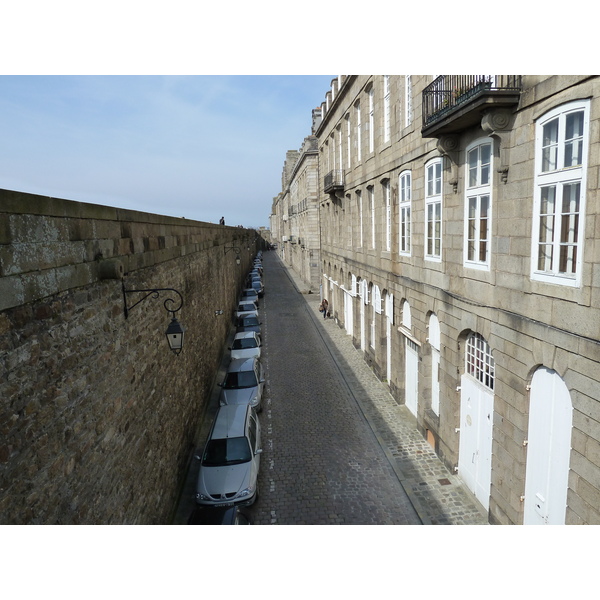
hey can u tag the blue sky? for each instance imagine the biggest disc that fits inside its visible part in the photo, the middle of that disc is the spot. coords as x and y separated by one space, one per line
200 147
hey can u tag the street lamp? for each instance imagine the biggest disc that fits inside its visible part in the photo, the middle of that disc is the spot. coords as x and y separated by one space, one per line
175 330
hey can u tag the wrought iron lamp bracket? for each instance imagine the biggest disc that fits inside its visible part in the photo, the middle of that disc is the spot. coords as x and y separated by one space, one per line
172 305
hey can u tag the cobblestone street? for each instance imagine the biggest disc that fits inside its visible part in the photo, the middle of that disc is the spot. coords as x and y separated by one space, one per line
337 448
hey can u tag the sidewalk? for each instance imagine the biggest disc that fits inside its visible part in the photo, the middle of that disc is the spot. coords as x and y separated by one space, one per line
439 496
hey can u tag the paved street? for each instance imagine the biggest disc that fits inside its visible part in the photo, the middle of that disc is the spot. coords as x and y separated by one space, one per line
337 448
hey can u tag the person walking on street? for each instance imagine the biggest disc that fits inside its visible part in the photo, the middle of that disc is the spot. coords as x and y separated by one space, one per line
323 307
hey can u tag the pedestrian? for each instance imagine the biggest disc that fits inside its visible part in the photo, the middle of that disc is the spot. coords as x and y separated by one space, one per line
323 307
222 221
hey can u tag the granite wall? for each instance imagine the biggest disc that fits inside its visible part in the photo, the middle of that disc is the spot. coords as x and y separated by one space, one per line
97 415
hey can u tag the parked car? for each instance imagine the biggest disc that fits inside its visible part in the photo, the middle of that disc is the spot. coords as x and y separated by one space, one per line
230 462
226 515
247 306
259 287
246 344
249 294
244 383
247 322
251 310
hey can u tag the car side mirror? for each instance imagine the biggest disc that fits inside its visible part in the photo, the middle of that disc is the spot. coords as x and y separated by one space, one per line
220 384
258 451
262 380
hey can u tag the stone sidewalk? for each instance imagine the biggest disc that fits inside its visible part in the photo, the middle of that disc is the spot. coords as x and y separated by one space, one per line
439 496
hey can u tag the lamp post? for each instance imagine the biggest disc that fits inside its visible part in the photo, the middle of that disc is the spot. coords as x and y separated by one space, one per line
175 331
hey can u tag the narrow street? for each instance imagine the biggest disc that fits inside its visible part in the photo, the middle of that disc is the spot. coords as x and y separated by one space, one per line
337 448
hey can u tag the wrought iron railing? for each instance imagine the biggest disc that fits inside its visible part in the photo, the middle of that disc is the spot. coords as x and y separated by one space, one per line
334 179
446 92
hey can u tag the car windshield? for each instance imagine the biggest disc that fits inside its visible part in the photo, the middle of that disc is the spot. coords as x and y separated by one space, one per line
241 379
227 451
244 343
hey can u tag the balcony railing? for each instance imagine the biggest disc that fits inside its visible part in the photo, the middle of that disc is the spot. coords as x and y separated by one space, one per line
333 181
447 94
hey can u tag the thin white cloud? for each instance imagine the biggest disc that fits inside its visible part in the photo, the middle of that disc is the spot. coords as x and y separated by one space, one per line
191 146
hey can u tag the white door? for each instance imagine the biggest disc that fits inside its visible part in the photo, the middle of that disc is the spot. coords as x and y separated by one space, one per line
348 313
411 376
435 381
475 445
362 324
389 319
388 353
548 449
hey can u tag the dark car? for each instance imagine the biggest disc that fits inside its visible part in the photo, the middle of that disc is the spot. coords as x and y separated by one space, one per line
230 515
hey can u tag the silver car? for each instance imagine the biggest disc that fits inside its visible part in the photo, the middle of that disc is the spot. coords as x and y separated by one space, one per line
228 473
244 383
246 344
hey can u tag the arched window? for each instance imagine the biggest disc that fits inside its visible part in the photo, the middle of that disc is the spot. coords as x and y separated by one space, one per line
479 361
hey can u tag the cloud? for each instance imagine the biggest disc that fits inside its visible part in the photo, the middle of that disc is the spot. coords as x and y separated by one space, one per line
194 146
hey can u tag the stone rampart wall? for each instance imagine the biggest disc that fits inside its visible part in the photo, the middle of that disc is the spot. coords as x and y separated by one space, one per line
97 415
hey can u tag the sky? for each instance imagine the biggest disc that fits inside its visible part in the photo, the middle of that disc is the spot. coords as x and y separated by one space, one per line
193 146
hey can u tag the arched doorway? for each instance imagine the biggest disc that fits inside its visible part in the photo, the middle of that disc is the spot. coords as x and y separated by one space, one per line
548 449
477 418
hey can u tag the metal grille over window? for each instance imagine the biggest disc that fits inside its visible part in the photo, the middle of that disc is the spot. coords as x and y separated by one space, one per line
480 363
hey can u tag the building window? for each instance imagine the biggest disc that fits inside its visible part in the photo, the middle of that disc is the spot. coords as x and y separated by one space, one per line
404 208
348 141
360 215
358 132
559 201
388 215
408 106
386 109
371 193
479 361
340 153
478 205
371 121
433 209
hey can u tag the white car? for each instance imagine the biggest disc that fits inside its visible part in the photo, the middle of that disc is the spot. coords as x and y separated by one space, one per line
244 383
230 462
246 344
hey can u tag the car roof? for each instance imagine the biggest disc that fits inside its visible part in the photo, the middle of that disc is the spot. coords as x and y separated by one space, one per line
244 334
241 364
230 421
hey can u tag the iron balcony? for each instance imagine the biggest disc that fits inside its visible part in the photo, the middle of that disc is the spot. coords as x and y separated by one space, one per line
452 103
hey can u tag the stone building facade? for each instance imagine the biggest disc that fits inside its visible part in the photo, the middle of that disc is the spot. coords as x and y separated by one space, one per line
459 222
97 417
295 213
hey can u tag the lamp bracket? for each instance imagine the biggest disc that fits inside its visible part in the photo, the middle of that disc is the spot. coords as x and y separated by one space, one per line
172 304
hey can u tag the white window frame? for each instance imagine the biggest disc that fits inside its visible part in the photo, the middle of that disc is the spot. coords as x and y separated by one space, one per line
358 132
433 201
340 149
386 109
371 197
404 213
388 214
478 192
371 120
408 105
349 141
360 216
479 362
559 178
